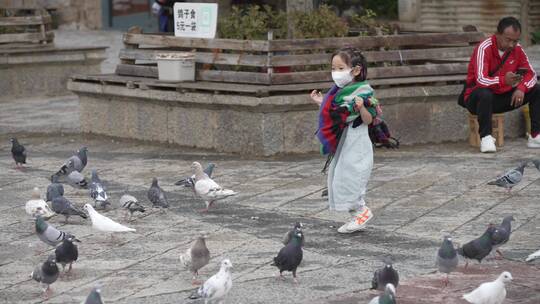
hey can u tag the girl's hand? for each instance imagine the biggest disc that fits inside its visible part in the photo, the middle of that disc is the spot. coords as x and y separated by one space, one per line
358 103
317 97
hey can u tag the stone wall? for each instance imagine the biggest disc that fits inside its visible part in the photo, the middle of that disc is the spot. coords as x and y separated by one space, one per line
430 114
77 14
45 72
228 123
263 125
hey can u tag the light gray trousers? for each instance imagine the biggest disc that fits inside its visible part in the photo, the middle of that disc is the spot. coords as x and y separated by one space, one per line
350 170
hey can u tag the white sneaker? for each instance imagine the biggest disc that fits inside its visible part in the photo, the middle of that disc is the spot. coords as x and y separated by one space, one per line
358 222
487 144
533 142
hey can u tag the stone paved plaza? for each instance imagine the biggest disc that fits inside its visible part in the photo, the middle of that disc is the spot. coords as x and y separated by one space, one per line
418 194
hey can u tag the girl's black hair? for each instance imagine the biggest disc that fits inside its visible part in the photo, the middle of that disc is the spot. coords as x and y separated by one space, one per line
353 58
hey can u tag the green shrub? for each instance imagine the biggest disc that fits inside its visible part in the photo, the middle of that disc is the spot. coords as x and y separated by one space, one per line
320 23
342 5
254 22
387 9
367 25
535 37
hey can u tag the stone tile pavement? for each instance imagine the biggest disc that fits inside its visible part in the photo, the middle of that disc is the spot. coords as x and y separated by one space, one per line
418 194
56 115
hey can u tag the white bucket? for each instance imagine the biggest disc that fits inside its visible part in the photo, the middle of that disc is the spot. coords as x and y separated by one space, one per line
176 66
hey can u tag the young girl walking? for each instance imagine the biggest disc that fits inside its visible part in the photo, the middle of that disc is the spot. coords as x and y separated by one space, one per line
344 115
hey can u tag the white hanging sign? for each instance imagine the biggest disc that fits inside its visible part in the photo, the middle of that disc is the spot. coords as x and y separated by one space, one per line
195 20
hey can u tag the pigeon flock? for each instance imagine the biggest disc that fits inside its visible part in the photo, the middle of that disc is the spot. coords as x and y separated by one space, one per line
197 255
66 252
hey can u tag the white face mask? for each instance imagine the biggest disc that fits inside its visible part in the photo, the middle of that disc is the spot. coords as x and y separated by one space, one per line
342 78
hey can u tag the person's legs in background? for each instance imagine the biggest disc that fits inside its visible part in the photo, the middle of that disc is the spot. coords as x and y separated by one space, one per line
533 99
163 21
480 103
484 103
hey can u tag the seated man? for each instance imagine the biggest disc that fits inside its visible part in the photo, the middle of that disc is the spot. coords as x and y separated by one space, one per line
500 79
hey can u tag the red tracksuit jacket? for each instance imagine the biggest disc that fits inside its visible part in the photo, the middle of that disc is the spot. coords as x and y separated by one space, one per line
486 58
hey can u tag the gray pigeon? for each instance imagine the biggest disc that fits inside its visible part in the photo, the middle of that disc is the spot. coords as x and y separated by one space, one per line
387 297
18 152
510 178
215 289
501 235
54 189
196 257
290 256
76 180
46 274
479 248
77 162
67 252
131 204
62 205
95 296
288 236
447 259
536 163
97 191
385 275
157 196
48 234
189 182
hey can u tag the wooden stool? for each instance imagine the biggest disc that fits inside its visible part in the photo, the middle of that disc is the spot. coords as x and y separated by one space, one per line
497 122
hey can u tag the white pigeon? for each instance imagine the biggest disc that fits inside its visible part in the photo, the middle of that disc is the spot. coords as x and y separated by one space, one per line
215 289
206 188
490 292
37 206
533 256
103 223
